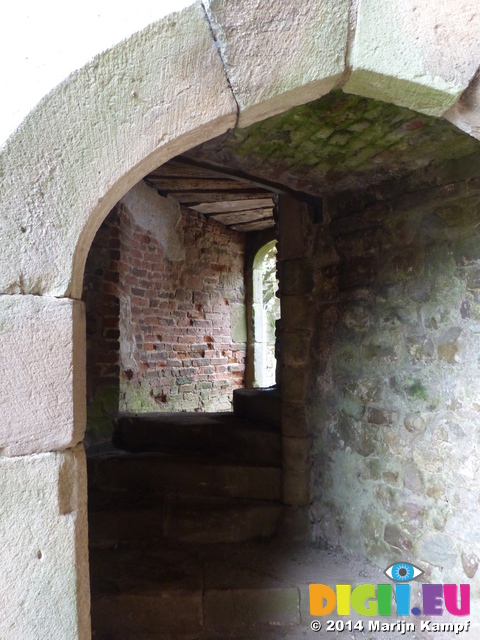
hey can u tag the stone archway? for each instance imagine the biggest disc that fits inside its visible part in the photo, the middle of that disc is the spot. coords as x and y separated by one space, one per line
177 83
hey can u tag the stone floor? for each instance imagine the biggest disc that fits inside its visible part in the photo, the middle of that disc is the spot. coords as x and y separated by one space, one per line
242 591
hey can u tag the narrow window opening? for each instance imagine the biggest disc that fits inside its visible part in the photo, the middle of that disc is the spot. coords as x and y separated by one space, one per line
266 312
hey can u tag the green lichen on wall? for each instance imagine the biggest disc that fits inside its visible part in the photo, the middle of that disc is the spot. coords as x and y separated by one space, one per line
338 142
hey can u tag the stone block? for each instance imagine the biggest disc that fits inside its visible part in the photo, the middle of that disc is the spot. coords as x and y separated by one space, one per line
295 348
296 488
294 420
291 240
296 312
278 55
296 454
380 416
44 579
422 57
293 384
238 322
295 277
469 564
397 538
247 607
42 359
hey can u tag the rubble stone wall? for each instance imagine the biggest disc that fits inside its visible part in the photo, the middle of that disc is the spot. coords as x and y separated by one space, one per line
394 401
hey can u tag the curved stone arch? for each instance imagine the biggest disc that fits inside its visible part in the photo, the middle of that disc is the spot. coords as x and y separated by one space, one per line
177 83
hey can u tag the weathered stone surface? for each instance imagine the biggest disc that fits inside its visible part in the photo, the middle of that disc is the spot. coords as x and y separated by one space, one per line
42 388
172 94
422 57
279 55
296 454
44 560
295 277
438 549
412 478
294 420
393 401
380 416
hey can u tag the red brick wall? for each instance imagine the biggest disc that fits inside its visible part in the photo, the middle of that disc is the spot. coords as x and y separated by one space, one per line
180 341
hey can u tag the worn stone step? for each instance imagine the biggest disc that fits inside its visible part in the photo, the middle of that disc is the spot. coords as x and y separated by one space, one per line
195 475
258 405
217 434
176 590
122 516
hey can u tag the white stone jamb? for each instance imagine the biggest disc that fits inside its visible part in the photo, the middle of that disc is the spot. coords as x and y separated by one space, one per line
44 574
42 382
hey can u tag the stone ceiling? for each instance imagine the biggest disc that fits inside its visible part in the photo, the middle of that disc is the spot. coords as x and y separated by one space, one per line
338 143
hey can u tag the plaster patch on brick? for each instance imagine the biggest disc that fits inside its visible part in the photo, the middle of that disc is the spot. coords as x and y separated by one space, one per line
128 343
159 216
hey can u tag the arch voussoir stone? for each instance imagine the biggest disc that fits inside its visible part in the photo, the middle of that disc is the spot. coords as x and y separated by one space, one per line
86 144
279 54
416 55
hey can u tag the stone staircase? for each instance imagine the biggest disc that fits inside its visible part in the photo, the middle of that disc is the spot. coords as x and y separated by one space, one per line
193 477
175 508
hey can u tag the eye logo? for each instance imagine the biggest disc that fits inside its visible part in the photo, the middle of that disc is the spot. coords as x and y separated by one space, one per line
403 572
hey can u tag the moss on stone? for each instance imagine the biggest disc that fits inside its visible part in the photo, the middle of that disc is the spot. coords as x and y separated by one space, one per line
417 390
100 414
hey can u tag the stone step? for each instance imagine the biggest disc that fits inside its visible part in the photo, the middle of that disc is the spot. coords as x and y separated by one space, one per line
256 590
121 516
217 434
193 475
258 405
174 591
